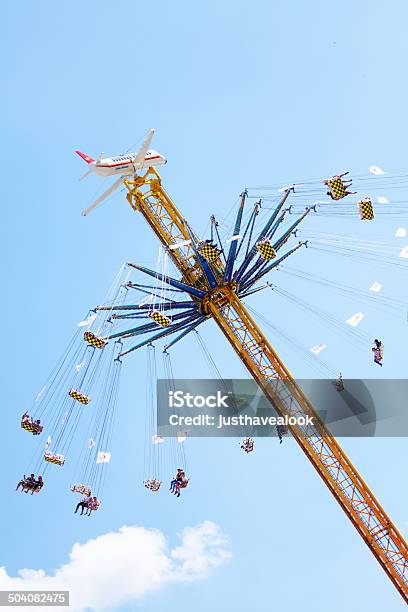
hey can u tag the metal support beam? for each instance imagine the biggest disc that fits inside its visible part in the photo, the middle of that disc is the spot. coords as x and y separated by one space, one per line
166 332
263 233
169 281
189 329
234 242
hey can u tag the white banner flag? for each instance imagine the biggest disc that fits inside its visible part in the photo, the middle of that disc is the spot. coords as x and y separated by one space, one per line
318 349
87 322
376 287
103 457
177 245
237 237
355 319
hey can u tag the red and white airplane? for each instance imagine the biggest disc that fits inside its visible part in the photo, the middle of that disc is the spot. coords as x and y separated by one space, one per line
125 165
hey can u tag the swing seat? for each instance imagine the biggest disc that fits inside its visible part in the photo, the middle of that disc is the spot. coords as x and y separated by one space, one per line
33 428
282 430
337 189
79 397
33 487
159 318
266 250
83 489
248 445
366 210
209 252
183 484
54 458
95 341
93 506
378 353
339 384
153 485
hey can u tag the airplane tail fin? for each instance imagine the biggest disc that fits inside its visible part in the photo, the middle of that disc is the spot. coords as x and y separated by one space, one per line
86 158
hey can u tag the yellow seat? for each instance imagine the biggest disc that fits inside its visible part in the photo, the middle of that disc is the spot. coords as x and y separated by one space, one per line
208 251
366 210
266 250
28 426
159 318
337 189
54 458
33 428
79 397
95 341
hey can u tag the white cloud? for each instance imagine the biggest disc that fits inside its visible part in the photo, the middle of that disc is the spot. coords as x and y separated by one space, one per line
376 170
123 566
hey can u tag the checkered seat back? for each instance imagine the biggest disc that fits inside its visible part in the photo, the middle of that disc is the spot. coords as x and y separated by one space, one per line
337 189
160 318
209 252
79 397
366 210
54 458
95 341
266 250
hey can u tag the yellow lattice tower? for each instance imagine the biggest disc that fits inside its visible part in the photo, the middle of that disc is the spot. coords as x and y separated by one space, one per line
222 303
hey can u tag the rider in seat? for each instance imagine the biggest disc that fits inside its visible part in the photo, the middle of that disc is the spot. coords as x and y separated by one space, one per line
340 383
30 425
281 430
26 480
36 425
83 504
338 188
92 505
378 351
181 485
180 481
29 483
38 485
248 445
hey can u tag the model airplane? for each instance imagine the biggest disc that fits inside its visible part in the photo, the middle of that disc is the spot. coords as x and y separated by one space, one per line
125 165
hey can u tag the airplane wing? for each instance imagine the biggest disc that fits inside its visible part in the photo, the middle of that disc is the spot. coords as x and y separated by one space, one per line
102 197
143 149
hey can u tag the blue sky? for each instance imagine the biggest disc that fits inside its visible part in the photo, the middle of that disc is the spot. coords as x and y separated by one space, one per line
240 95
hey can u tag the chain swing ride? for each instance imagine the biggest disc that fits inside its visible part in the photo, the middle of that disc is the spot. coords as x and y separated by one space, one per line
213 281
